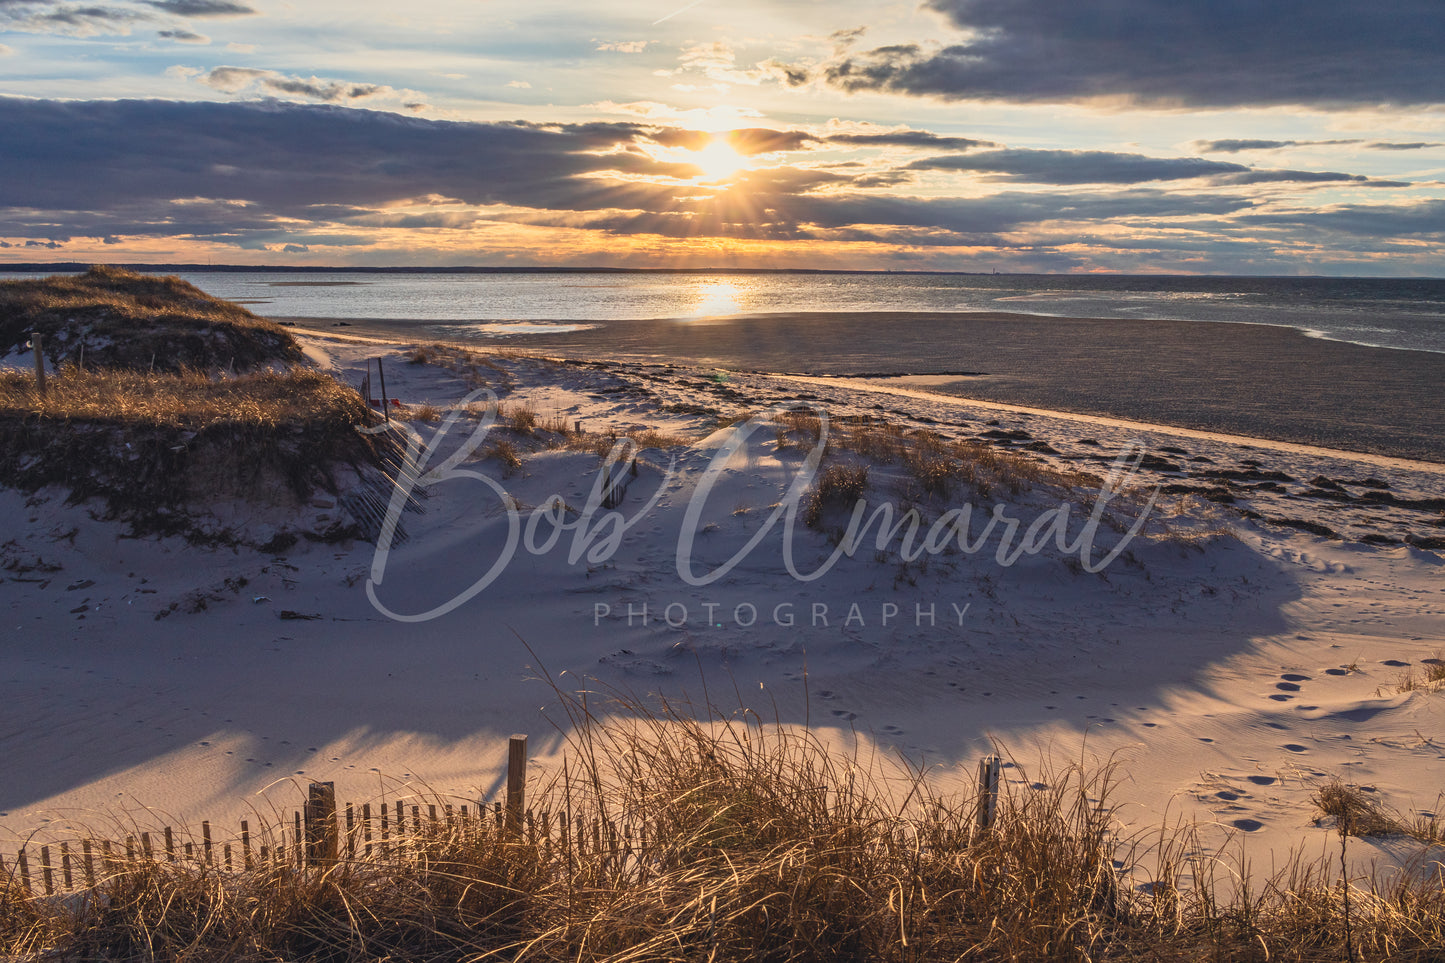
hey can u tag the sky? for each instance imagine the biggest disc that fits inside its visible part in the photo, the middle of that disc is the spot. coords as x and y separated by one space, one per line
1264 137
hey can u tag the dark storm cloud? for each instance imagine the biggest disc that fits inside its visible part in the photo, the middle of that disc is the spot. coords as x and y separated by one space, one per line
203 8
1210 53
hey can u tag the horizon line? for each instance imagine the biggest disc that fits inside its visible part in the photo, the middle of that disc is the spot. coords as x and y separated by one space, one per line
192 266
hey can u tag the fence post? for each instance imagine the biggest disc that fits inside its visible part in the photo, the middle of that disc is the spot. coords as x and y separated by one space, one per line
516 782
988 778
39 362
22 871
382 375
321 834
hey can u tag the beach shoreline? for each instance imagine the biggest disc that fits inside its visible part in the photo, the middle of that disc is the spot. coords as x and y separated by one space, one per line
1249 380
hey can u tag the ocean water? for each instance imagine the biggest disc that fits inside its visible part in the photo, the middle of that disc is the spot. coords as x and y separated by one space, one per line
1386 313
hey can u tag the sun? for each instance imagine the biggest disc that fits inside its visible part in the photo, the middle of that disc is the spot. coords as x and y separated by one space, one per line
717 159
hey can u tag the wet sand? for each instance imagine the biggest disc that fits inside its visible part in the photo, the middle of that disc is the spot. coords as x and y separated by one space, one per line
1255 380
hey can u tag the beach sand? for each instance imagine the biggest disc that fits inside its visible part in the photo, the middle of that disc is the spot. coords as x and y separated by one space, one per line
1229 662
1245 379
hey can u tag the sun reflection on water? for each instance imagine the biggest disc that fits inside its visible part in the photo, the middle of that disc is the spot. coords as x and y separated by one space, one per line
716 298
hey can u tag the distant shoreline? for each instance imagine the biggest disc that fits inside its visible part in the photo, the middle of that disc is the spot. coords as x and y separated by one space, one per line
1164 279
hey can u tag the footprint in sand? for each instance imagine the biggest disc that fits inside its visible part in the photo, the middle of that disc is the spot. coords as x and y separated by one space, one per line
845 714
1294 747
1248 825
1394 663
1294 677
1337 672
1262 780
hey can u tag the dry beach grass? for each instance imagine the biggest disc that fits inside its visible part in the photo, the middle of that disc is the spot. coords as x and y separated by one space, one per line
728 838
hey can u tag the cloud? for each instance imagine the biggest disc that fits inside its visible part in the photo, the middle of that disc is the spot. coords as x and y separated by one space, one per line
1236 146
233 80
139 159
623 46
260 175
6 51
1370 220
1417 145
1201 53
749 141
203 8
519 84
1108 167
43 16
183 36
907 138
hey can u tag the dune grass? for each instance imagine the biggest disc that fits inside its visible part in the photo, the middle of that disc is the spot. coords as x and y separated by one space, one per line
725 838
112 317
148 444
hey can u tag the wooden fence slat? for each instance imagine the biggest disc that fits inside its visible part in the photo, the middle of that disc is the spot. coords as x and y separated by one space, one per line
22 870
321 835
88 862
39 363
170 846
516 782
988 781
65 874
245 844
46 872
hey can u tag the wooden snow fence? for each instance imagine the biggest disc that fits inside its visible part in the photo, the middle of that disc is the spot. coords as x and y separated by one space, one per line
323 833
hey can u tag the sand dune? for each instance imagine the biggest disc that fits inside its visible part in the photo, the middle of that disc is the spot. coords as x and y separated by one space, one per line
1230 664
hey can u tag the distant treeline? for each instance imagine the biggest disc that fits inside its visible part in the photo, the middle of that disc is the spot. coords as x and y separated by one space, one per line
65 266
